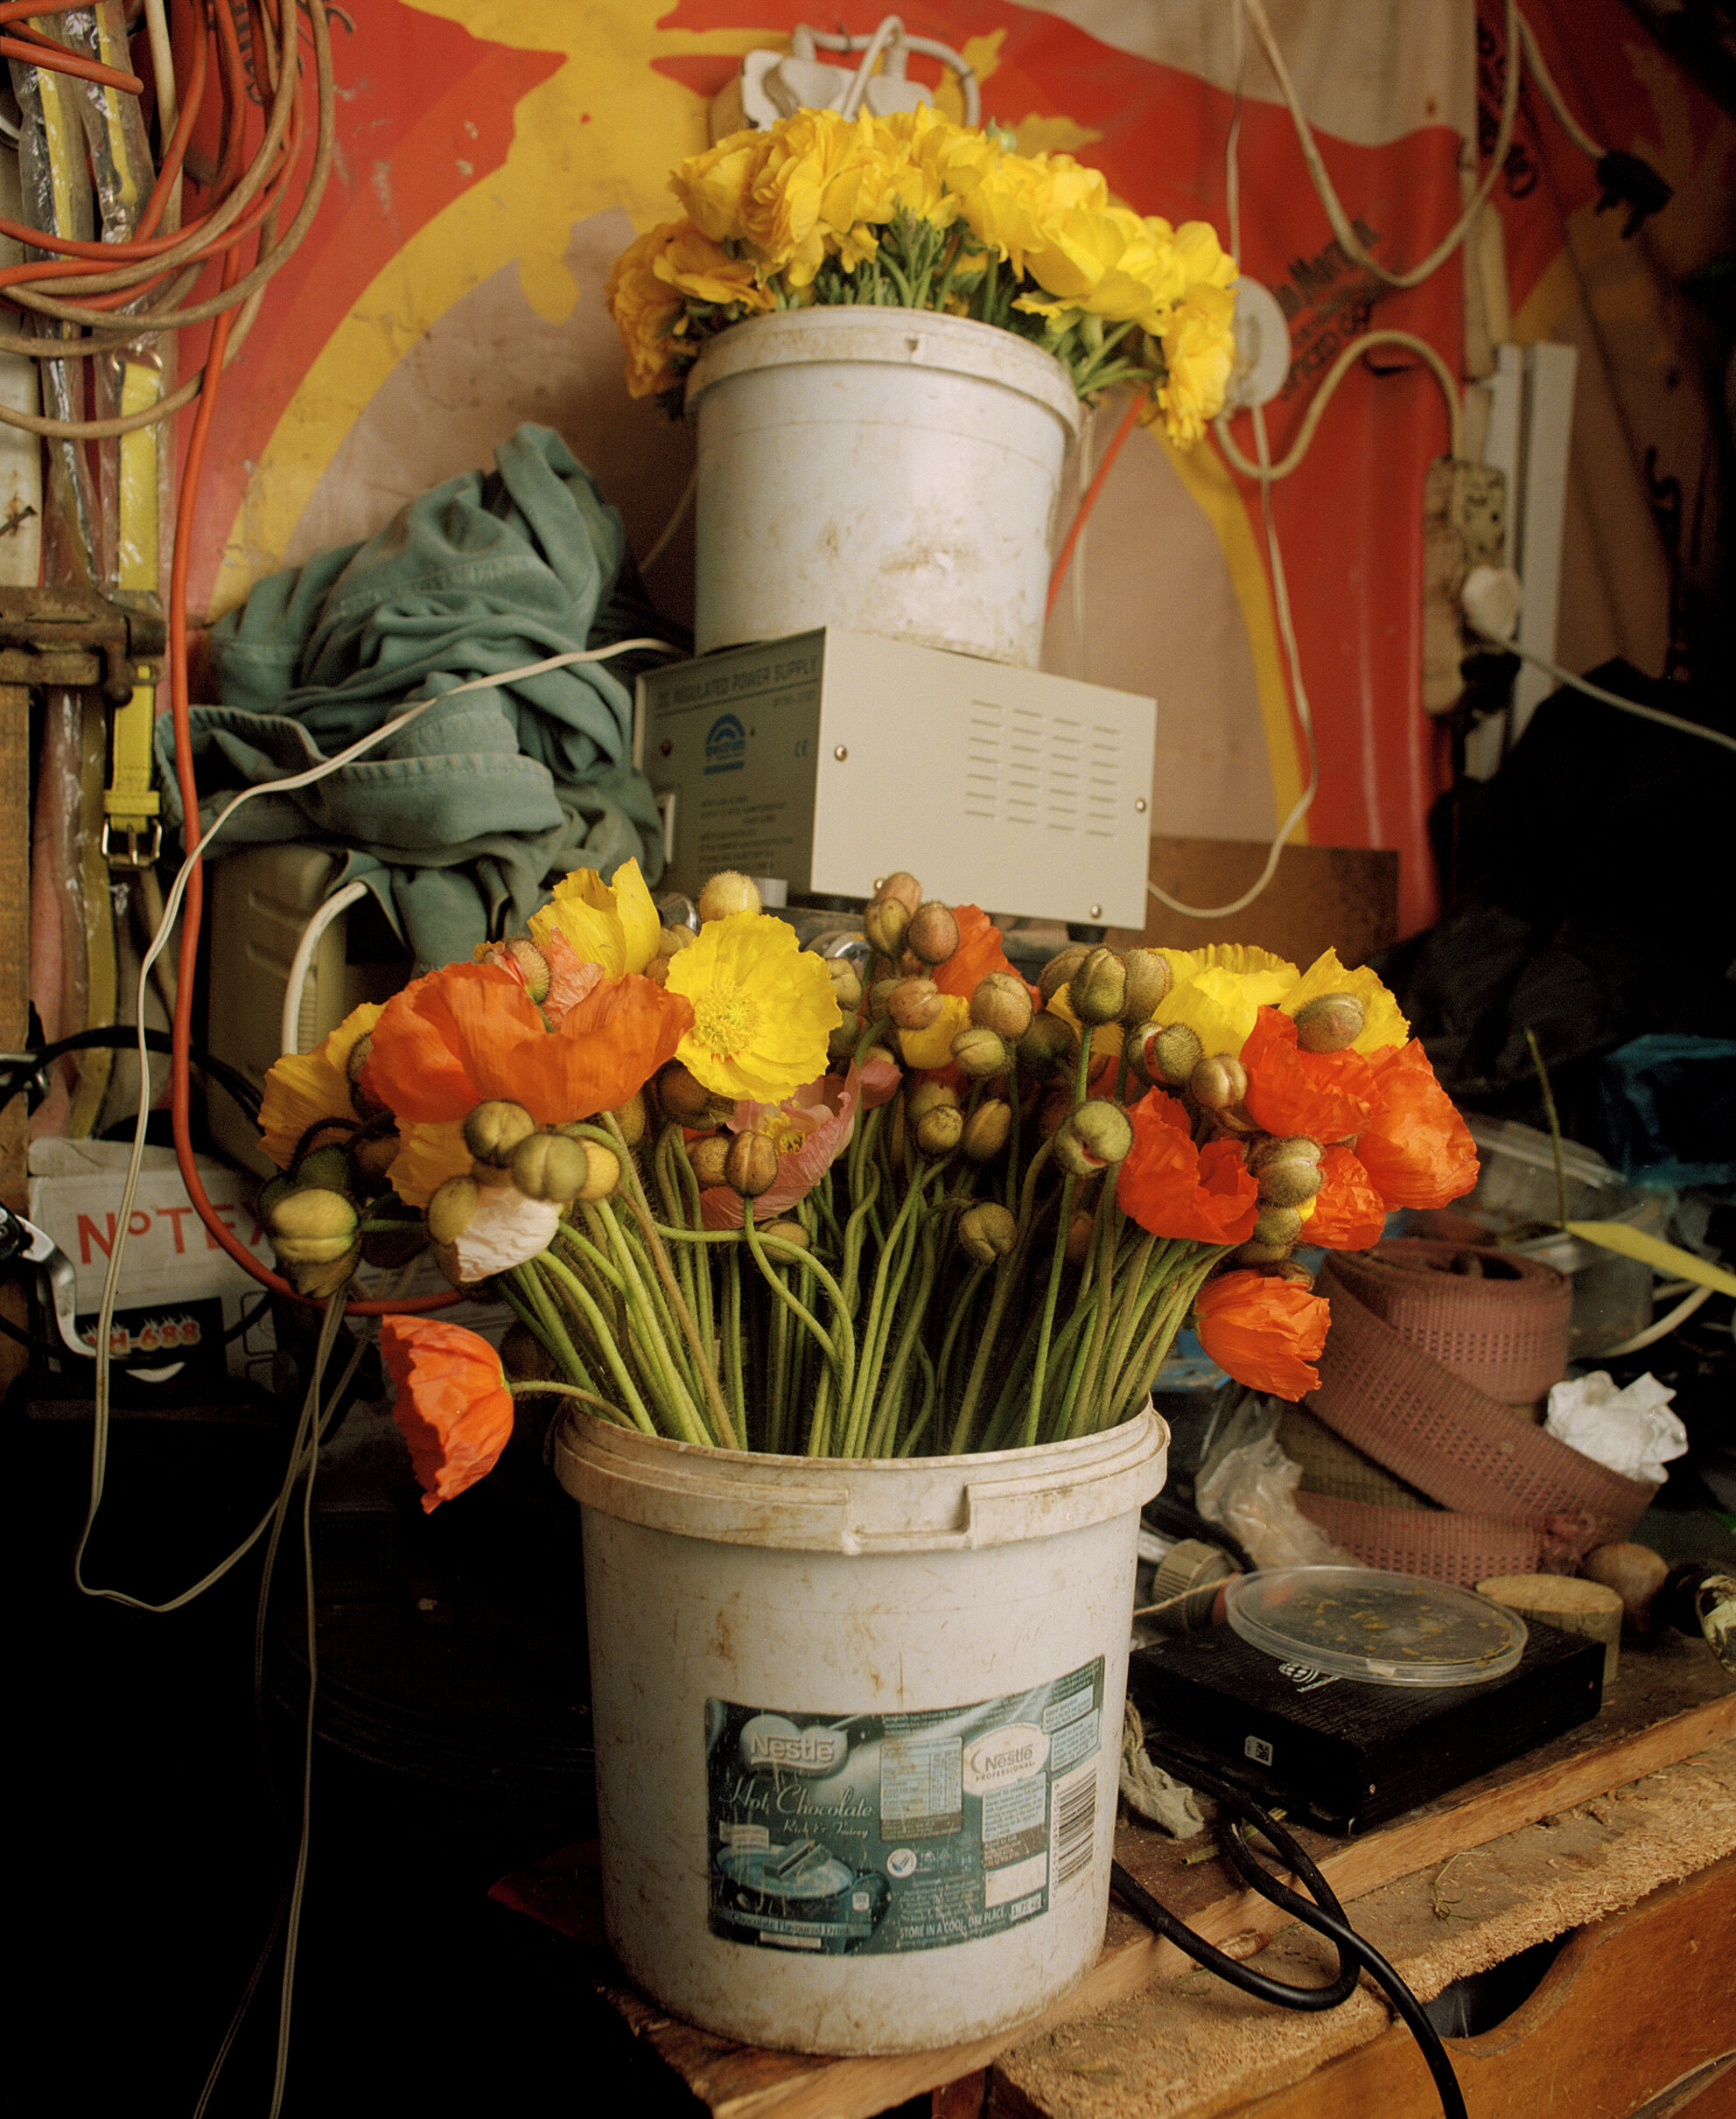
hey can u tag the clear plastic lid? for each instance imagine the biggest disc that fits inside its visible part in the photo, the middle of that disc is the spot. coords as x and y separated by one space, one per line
1385 1629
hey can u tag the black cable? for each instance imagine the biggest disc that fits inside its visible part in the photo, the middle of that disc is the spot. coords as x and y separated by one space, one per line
122 1038
56 1351
1323 1913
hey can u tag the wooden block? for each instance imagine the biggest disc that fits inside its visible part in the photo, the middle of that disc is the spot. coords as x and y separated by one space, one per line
1339 897
1564 1601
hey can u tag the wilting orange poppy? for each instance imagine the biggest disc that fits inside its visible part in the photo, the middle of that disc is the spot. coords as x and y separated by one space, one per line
453 1406
461 1036
1415 1146
1173 1189
1349 1214
1266 1333
1326 1095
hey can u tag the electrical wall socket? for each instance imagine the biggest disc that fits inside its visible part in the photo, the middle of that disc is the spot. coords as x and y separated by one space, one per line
1464 526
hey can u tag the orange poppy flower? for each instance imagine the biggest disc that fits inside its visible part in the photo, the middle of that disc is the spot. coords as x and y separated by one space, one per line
1415 1146
1349 1214
453 1406
1266 1333
469 1033
1174 1189
978 953
1326 1095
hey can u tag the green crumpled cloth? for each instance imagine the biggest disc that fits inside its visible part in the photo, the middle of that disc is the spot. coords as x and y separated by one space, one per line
457 823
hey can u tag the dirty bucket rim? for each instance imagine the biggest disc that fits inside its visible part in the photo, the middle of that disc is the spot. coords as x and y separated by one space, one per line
983 349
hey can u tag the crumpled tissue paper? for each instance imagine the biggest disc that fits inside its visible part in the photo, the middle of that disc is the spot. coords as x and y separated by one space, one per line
1632 1431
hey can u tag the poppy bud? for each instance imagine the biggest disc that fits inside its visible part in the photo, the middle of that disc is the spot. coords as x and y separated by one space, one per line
841 1042
375 1156
630 1117
846 983
933 932
688 1101
1002 1003
1218 1082
979 1053
750 1164
987 1232
1098 1133
670 943
1079 1237
728 892
1277 1225
788 1231
363 1101
708 1157
526 1358
1048 1044
1060 968
1055 1108
930 1096
494 1131
533 967
986 1130
1254 1253
1330 1022
327 1168
940 1130
317 1278
1149 980
886 924
448 1211
902 886
1098 989
1288 1171
602 1172
879 998
550 1166
1170 1055
914 1003
312 1225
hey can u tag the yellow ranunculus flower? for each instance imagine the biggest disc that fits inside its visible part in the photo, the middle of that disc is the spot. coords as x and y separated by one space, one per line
780 202
614 924
1199 346
301 1088
1383 1026
763 1008
712 186
692 264
1201 259
647 310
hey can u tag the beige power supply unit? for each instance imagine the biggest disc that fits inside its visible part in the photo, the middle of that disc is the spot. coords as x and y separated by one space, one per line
828 758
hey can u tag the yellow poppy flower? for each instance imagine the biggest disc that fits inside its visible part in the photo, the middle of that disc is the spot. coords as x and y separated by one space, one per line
301 1088
1220 1007
1383 1026
763 1008
612 924
933 1046
429 1153
1107 1039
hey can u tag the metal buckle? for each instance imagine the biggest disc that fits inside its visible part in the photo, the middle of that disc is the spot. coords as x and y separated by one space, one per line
132 858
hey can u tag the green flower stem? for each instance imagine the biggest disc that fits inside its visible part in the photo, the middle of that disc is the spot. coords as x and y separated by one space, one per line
820 1429
1007 1274
576 1292
1099 1273
855 1230
674 1205
546 1387
797 1309
998 1434
1132 1277
962 1309
526 1297
1012 1098
776 1409
919 1427
699 1348
882 1432
1137 1378
1041 1361
731 1335
878 1326
681 1172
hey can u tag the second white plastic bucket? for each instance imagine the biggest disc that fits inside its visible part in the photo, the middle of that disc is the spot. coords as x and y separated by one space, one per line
887 470
858 1726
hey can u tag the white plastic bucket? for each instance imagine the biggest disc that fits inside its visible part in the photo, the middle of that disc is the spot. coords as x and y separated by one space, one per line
887 470
858 1726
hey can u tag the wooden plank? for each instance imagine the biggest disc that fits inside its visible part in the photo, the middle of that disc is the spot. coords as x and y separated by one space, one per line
1342 896
14 983
1645 1993
1670 1701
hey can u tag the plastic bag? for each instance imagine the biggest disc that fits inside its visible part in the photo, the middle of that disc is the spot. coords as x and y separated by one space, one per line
1248 1489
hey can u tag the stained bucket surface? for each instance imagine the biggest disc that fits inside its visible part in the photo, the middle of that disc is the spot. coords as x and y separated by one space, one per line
887 470
858 1726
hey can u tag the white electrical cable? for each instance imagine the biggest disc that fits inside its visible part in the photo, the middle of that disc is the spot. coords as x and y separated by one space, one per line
289 1031
1607 698
1088 434
1663 1327
1322 397
662 543
930 47
889 31
112 1278
1349 241
168 104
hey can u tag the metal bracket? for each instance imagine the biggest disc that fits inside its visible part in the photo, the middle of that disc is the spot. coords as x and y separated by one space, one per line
80 637
130 857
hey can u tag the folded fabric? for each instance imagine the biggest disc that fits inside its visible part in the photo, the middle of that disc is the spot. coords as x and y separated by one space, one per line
457 823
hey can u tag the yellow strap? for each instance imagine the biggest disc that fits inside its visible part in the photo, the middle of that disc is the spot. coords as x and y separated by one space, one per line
1661 1257
131 802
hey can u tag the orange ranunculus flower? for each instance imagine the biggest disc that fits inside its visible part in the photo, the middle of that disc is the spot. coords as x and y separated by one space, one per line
1415 1146
978 953
1348 1213
1173 1189
1266 1333
453 1405
1326 1095
469 1032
